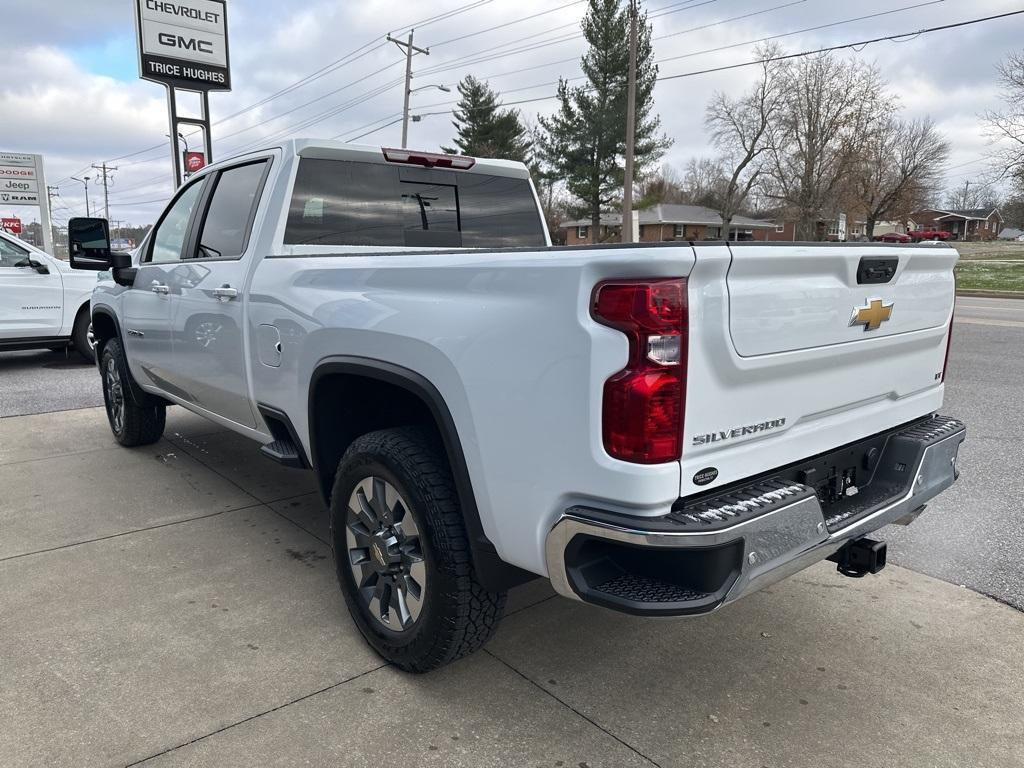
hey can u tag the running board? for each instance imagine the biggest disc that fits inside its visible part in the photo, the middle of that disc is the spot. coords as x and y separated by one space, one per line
284 452
285 448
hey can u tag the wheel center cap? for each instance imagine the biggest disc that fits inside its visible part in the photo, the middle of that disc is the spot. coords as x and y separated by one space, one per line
379 554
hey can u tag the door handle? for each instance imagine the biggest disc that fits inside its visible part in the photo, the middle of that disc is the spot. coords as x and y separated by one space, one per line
225 292
156 287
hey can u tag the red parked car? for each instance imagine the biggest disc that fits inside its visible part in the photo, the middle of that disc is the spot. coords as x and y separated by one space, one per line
892 237
930 234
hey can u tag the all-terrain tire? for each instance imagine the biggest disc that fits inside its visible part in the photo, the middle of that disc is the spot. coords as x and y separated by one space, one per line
458 614
131 424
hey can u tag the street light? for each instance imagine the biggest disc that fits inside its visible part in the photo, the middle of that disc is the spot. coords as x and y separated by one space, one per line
84 180
405 110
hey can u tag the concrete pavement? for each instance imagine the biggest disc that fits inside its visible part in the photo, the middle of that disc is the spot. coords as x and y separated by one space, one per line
176 605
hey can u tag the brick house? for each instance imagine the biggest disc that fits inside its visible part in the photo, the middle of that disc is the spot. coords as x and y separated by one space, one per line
667 222
966 224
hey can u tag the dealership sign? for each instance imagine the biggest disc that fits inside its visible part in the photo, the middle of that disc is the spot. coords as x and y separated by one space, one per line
22 183
184 43
19 178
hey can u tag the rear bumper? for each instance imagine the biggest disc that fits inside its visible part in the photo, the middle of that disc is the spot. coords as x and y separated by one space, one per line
706 555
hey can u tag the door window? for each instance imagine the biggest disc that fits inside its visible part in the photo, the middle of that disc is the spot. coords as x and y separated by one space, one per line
10 254
169 238
229 216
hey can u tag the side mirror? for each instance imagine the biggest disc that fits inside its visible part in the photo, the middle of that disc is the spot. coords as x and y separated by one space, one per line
31 263
89 246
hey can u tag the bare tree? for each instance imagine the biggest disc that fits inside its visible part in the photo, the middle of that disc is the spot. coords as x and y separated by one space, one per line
663 186
703 182
897 167
739 129
971 195
1006 127
830 105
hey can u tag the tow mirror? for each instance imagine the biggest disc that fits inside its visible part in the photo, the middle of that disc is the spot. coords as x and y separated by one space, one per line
89 246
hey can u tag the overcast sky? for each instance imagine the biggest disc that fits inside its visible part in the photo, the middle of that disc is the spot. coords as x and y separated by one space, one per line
69 86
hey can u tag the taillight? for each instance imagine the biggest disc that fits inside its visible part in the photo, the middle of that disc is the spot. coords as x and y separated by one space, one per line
642 415
949 343
428 159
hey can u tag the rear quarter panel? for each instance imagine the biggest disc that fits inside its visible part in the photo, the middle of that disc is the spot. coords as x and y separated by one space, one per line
506 338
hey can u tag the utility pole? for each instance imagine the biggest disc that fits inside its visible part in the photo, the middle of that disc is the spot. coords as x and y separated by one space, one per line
627 187
106 199
410 49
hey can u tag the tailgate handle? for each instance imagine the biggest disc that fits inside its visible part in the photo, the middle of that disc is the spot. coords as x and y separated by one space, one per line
872 270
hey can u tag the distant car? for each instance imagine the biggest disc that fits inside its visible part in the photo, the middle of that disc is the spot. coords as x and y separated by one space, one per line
892 237
931 234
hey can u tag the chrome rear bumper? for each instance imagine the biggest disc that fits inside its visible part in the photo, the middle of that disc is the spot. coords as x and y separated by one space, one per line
770 536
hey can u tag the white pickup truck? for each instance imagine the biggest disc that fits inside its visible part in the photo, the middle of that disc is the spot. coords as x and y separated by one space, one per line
43 303
658 429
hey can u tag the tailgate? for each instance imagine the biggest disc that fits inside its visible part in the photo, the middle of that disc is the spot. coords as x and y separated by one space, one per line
797 349
791 297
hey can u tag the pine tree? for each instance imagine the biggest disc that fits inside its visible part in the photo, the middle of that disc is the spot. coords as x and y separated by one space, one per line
585 140
485 129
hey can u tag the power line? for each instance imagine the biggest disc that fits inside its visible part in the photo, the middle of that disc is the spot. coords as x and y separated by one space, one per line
783 57
490 54
829 49
805 29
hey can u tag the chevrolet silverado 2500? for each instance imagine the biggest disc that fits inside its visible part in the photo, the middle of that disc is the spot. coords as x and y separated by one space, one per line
659 429
43 303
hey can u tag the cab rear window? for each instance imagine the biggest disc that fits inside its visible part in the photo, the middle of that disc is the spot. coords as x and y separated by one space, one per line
341 202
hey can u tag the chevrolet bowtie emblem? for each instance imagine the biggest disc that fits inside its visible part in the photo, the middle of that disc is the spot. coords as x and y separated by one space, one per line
872 315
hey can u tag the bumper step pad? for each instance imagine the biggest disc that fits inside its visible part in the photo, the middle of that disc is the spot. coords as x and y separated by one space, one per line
644 589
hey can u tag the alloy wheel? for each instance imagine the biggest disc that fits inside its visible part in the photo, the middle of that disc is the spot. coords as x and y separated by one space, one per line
385 554
115 395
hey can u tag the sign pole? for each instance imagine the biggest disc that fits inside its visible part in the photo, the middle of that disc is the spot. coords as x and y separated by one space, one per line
44 208
172 122
184 47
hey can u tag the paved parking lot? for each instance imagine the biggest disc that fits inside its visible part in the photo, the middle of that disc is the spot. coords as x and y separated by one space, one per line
176 605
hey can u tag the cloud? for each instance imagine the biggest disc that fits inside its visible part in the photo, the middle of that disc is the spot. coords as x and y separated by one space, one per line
67 93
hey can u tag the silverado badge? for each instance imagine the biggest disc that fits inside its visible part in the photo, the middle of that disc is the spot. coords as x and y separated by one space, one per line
872 314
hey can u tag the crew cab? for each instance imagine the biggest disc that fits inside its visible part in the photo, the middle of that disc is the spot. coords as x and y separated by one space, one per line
658 429
44 304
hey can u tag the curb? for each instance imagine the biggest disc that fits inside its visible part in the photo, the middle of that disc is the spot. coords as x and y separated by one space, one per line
983 294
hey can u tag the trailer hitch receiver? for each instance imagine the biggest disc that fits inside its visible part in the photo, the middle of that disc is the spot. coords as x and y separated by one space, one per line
860 557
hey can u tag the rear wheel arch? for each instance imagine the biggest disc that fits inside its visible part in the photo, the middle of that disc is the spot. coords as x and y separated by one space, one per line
389 396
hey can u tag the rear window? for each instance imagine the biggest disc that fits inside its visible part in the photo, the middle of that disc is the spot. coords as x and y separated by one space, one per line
339 202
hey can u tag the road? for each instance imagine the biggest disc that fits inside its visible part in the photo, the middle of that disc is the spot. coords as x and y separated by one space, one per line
973 535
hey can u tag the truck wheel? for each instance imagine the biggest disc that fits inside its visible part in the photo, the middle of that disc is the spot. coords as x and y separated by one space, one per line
131 424
402 554
80 336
